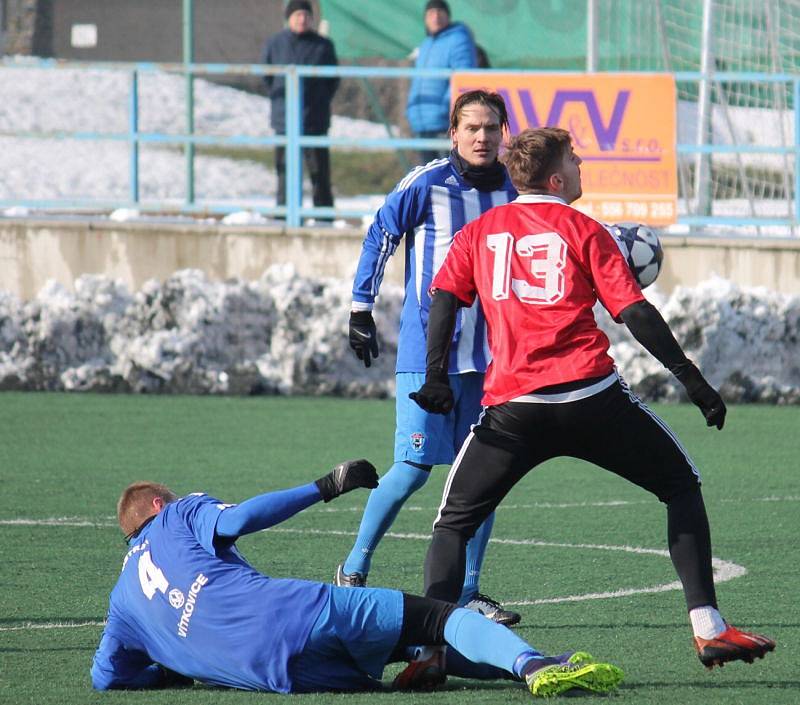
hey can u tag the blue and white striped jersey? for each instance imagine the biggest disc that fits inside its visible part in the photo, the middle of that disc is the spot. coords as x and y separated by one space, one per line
429 206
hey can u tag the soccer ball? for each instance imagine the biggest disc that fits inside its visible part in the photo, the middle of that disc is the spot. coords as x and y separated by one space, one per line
641 247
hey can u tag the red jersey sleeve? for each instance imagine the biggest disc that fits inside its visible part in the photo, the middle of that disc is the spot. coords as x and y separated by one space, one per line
614 283
456 274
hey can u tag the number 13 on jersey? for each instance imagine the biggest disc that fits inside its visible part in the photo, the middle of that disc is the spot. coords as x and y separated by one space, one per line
547 257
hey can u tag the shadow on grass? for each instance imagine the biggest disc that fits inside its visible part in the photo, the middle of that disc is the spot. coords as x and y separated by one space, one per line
649 625
744 684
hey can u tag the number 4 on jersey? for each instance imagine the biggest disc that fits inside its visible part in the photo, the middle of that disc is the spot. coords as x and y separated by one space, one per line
150 576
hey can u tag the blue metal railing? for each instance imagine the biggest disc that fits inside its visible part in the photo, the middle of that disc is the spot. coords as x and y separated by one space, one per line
294 141
793 221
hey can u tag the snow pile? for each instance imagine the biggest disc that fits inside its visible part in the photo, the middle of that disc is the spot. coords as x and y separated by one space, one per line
745 340
282 334
286 334
98 101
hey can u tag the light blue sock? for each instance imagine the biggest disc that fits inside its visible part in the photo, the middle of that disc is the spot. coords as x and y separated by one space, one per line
482 641
476 549
385 501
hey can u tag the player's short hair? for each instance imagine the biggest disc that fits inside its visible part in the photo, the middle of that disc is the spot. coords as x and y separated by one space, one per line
136 502
493 101
534 155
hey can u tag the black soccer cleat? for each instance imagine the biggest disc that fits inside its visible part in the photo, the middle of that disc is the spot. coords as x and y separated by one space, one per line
353 580
485 605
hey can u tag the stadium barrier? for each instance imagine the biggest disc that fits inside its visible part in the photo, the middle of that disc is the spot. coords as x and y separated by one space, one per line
755 168
33 252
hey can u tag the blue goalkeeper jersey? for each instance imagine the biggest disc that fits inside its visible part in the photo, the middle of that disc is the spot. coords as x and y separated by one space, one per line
189 601
429 206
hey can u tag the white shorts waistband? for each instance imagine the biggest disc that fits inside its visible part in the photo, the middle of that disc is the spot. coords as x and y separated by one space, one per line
574 395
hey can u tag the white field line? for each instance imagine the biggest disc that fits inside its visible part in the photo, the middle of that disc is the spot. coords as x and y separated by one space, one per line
59 521
110 521
30 626
612 503
723 570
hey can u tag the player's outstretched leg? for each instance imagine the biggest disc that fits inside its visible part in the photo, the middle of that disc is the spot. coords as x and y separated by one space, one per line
732 645
482 641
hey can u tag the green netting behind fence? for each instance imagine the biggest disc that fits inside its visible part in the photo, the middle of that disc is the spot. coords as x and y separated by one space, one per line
541 34
646 35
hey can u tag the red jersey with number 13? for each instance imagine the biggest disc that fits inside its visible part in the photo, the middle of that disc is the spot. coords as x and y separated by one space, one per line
539 266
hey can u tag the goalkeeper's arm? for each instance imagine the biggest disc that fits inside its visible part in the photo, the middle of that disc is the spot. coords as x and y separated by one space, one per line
272 508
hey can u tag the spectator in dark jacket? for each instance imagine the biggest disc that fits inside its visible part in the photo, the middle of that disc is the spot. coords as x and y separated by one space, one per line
448 45
300 44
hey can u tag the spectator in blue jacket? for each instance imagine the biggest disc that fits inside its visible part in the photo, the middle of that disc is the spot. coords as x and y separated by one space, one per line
299 44
448 45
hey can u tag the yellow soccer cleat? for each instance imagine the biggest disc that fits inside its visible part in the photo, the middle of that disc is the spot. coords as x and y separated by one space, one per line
579 671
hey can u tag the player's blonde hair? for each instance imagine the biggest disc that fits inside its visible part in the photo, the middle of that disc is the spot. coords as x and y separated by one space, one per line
135 504
534 155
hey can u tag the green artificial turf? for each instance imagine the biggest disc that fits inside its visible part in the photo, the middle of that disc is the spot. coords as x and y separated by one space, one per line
566 531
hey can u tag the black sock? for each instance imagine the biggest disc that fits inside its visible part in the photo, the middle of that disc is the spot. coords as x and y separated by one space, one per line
690 547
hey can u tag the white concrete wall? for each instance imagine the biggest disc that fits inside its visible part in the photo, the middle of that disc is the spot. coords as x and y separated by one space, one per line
35 251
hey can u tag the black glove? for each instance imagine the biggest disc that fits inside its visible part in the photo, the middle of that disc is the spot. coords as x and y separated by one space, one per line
701 393
347 476
363 336
173 679
435 396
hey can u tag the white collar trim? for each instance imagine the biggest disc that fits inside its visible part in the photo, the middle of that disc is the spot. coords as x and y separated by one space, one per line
538 198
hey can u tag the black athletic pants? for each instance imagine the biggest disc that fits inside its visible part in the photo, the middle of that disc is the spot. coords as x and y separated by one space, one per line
318 162
612 429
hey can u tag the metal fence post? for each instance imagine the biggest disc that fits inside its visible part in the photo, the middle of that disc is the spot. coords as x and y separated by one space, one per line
188 58
133 131
702 165
796 107
591 36
294 164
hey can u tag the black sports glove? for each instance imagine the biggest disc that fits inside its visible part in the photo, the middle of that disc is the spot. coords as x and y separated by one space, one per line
701 393
347 476
435 396
363 336
173 679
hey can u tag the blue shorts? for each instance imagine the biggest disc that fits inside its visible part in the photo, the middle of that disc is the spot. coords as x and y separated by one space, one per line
351 641
435 439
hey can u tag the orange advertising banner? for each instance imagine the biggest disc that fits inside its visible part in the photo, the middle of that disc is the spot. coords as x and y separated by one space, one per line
622 127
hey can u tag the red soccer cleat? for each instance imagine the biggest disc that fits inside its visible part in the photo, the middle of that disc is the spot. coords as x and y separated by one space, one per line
426 672
732 645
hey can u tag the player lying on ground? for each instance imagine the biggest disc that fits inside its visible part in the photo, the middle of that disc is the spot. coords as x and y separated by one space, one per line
187 606
539 266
